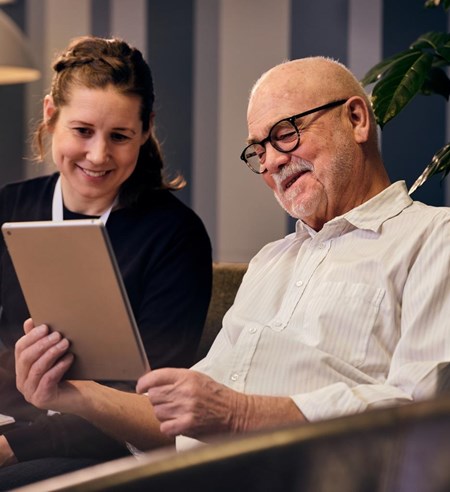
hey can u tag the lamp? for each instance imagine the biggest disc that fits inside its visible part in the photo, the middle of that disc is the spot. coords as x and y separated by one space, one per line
16 63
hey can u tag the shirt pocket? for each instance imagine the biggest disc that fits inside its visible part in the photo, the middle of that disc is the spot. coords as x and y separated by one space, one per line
339 319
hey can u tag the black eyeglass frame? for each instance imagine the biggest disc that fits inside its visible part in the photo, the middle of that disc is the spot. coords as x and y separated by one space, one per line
290 120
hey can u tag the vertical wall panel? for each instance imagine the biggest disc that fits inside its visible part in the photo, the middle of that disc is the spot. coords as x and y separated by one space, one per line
52 24
170 53
253 37
205 117
101 18
13 129
129 21
319 28
365 35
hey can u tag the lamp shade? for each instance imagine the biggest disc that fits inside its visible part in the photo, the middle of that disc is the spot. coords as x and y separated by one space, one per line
16 62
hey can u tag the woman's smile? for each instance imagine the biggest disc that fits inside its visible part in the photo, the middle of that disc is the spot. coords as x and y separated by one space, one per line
91 173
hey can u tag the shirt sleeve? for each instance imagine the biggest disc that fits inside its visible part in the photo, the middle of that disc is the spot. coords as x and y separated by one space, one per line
418 363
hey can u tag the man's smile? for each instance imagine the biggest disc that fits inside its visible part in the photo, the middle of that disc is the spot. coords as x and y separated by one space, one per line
288 182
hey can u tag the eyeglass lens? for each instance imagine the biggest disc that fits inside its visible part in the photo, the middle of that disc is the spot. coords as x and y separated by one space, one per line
284 137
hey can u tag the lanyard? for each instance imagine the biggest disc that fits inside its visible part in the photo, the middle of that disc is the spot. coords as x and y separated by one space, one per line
58 207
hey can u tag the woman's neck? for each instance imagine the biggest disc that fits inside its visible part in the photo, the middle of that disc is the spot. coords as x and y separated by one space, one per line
77 203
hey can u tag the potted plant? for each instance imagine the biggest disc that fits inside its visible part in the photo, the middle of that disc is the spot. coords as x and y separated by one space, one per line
419 69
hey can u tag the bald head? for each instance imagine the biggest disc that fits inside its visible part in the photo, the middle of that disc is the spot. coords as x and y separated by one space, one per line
314 76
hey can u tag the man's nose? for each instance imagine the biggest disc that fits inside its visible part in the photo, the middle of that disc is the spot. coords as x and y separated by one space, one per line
275 159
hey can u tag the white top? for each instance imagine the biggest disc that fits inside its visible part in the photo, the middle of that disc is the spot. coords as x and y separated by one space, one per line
346 319
58 204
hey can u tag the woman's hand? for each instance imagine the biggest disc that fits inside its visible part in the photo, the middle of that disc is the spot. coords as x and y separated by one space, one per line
41 362
42 359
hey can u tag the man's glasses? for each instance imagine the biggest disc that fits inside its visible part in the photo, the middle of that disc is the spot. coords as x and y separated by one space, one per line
284 136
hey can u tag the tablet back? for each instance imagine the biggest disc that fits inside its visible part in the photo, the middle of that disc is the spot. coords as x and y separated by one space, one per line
70 280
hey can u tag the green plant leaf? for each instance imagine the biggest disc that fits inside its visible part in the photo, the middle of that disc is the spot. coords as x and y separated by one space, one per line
433 40
400 84
440 163
377 71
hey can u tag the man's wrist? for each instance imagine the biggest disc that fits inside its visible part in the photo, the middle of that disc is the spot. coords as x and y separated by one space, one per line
254 412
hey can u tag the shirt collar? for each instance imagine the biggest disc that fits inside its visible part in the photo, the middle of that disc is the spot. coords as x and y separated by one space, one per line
371 214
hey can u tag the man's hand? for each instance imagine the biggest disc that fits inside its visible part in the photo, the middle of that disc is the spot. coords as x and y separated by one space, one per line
7 457
41 361
190 403
187 402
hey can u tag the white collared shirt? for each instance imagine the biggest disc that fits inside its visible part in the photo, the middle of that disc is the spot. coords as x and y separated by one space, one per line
352 317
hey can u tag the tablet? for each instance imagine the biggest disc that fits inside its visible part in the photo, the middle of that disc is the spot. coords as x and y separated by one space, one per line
71 282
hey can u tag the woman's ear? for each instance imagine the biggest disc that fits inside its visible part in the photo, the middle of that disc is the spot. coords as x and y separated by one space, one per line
151 124
49 110
358 113
152 121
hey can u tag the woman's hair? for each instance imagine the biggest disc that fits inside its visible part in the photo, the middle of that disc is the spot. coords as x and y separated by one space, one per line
97 63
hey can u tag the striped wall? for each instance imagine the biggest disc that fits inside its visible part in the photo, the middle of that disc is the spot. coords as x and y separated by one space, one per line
205 55
13 129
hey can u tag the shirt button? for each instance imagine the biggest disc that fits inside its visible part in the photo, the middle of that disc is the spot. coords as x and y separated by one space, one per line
252 330
299 283
277 323
234 377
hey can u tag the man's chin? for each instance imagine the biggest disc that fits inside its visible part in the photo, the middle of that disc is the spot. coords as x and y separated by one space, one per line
295 214
294 210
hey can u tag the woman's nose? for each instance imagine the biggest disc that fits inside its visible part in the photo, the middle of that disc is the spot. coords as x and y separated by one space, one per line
98 152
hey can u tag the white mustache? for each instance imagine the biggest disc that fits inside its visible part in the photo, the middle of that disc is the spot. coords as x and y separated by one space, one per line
296 165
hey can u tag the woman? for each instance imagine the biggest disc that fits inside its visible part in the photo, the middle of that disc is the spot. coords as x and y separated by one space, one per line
99 117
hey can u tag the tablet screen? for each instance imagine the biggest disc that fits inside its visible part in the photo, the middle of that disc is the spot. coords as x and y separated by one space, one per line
70 280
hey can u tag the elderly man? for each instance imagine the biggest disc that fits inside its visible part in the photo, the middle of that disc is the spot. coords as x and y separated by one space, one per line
348 313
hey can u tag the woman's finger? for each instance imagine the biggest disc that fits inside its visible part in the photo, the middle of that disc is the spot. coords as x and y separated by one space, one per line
34 360
33 346
28 325
41 385
31 337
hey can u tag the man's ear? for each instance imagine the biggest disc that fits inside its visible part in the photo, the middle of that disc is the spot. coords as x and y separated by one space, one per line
49 110
358 113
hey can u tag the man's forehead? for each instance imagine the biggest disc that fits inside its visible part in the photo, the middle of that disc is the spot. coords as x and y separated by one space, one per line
269 105
303 78
283 89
